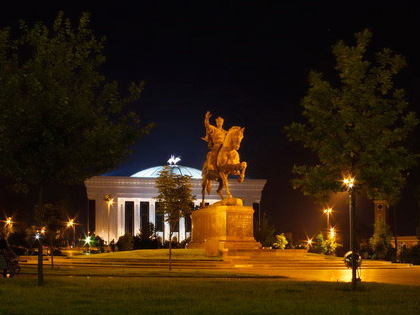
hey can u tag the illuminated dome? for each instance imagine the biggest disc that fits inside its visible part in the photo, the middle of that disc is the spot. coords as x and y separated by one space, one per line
154 172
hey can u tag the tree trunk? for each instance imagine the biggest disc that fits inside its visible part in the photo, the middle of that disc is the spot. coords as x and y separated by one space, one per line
170 248
352 208
395 234
52 254
40 262
40 269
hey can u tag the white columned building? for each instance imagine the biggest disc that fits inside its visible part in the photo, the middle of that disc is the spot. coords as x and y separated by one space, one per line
134 206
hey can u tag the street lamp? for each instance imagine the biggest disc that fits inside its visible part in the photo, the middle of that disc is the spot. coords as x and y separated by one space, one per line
332 232
328 212
72 225
8 224
109 201
309 243
349 182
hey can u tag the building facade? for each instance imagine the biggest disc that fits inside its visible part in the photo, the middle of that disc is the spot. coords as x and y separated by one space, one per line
133 205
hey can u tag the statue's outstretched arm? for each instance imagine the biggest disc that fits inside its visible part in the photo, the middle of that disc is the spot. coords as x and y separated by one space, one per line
207 120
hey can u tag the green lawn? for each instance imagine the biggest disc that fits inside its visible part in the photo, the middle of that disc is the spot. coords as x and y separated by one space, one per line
99 295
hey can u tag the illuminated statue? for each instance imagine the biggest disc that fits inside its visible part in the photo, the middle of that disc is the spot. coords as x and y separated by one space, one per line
215 135
223 157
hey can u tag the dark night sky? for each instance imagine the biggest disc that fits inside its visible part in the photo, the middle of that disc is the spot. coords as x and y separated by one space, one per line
246 61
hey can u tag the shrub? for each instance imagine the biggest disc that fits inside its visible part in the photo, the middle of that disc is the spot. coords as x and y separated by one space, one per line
125 242
146 238
281 241
321 246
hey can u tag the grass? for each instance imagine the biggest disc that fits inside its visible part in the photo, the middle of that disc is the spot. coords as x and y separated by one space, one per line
97 295
177 254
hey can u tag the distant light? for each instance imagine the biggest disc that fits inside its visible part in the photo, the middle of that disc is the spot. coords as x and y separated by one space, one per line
9 221
87 240
70 223
37 236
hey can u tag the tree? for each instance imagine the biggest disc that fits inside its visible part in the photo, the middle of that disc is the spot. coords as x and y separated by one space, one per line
175 200
61 120
318 244
280 242
50 219
381 240
265 234
356 127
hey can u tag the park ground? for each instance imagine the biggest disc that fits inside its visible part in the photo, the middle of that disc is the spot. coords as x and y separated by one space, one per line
114 284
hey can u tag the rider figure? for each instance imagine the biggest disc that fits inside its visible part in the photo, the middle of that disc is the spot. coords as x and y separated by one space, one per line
215 135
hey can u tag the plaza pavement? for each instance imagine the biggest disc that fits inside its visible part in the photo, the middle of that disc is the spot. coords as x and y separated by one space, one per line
296 266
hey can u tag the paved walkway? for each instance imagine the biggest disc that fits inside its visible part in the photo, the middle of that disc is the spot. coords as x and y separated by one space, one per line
299 269
407 276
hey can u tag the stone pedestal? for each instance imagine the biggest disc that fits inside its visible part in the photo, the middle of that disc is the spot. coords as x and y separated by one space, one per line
222 227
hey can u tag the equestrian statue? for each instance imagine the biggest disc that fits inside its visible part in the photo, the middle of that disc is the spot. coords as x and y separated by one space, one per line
222 159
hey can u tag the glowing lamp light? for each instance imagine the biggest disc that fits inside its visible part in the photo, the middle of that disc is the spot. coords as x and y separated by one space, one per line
87 240
70 223
332 232
328 211
309 241
37 236
43 231
349 182
9 221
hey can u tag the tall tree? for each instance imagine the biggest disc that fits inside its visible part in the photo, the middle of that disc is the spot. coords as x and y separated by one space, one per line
357 126
175 200
61 120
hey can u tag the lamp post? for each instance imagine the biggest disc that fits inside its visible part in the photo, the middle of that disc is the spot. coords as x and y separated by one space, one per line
332 232
109 201
350 182
328 212
8 226
72 225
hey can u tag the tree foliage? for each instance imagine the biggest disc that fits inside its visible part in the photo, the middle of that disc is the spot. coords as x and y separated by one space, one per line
381 240
356 126
175 199
175 196
265 234
61 120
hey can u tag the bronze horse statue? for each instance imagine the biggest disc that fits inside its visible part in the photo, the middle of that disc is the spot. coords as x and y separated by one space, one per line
227 163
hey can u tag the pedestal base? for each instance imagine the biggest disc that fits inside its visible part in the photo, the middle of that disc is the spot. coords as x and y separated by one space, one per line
223 227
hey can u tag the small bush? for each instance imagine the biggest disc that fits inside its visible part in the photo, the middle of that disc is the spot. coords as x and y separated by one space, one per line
125 242
281 242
